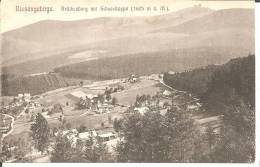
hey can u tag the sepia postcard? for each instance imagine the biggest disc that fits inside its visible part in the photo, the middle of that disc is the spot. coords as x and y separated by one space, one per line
127 81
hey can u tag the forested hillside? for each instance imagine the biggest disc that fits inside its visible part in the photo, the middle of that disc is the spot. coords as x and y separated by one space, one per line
37 84
223 83
227 90
144 63
195 81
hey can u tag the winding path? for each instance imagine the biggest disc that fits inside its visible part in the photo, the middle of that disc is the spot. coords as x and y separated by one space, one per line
205 121
162 82
12 126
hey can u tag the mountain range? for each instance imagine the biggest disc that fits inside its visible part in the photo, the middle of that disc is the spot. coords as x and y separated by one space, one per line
50 44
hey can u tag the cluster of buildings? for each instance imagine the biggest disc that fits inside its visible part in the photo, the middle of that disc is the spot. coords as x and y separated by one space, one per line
164 100
18 101
4 126
132 79
33 104
95 103
110 138
102 103
146 103
24 97
21 102
17 105
194 107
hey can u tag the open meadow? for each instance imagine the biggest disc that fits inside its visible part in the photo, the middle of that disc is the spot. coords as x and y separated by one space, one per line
84 117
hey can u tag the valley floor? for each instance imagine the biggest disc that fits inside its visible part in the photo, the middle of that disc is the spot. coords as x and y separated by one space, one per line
146 85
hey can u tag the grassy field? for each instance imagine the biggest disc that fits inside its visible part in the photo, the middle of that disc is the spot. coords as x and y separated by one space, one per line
83 117
62 96
125 97
128 96
5 100
90 120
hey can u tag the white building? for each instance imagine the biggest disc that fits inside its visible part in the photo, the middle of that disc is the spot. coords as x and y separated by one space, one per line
141 110
167 93
107 136
26 97
80 94
20 96
87 135
192 107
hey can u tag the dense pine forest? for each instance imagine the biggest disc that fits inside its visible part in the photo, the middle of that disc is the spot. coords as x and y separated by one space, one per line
12 85
143 63
229 90
225 83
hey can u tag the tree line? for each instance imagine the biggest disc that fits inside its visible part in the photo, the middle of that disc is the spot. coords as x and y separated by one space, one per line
229 90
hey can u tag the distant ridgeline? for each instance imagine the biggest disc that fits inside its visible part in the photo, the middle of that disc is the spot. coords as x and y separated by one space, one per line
230 83
34 84
143 63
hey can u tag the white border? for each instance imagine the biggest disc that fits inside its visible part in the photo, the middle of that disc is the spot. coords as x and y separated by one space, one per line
257 161
257 77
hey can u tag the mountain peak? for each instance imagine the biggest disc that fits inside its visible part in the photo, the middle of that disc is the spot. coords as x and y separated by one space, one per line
194 10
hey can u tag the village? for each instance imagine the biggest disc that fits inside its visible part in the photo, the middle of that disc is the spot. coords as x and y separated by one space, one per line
88 111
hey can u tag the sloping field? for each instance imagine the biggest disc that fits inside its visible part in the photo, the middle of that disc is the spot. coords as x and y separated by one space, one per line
128 96
33 84
64 95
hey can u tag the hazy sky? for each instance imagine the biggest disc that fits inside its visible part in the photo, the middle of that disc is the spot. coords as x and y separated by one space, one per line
10 19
